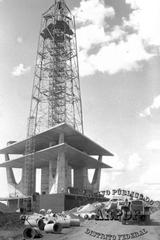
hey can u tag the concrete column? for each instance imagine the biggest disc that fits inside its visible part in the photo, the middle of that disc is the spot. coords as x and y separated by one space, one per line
62 169
52 176
9 171
14 188
61 138
97 175
58 171
10 178
45 180
69 182
52 172
81 178
61 172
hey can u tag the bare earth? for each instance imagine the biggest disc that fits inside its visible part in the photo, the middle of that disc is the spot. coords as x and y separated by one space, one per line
114 228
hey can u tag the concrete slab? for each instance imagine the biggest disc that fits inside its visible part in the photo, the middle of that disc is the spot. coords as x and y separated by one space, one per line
71 137
76 158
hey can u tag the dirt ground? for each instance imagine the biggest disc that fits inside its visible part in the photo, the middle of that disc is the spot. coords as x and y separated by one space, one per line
109 230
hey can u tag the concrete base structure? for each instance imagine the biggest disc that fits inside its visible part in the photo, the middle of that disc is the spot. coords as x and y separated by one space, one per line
58 151
57 202
62 202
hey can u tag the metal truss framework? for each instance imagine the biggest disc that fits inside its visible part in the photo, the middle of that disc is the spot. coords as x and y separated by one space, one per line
56 96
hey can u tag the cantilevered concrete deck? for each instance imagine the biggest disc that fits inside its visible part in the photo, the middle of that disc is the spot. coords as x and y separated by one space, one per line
71 137
59 152
75 158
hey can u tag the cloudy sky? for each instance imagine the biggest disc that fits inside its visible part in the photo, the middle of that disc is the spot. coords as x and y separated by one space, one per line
119 48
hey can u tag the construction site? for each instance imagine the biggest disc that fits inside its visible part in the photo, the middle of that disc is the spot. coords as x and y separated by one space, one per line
56 144
55 141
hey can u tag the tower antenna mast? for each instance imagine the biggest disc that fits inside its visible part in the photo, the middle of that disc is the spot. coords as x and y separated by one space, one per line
56 95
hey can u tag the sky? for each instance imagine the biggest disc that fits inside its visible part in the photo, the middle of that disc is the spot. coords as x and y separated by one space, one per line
119 59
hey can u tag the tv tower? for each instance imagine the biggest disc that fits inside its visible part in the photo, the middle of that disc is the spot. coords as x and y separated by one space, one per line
56 96
55 141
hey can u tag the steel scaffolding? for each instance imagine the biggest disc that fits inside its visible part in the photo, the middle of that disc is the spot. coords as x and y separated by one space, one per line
56 96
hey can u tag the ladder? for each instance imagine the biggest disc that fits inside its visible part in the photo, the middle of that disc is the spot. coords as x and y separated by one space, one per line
29 168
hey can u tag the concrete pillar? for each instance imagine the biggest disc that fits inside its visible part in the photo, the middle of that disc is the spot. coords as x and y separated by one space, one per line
52 172
69 180
97 175
61 172
62 168
14 188
9 172
45 180
61 138
58 172
81 178
52 176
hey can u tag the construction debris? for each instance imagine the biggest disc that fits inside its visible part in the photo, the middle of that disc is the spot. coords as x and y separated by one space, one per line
30 233
88 211
53 227
48 222
32 220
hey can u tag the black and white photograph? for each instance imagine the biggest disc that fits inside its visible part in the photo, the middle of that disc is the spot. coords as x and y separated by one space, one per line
80 119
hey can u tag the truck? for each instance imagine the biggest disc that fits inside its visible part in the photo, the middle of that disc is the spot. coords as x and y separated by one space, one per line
136 210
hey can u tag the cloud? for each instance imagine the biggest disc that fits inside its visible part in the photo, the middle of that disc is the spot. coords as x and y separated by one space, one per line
93 11
86 39
155 105
20 70
153 183
117 49
121 169
151 176
152 191
146 112
19 39
153 145
134 173
91 17
145 18
110 175
147 180
115 162
134 162
113 58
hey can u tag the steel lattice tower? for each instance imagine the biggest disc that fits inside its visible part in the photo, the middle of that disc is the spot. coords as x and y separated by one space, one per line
56 99
56 96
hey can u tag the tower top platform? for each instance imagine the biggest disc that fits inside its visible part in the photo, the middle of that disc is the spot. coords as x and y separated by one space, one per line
71 137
